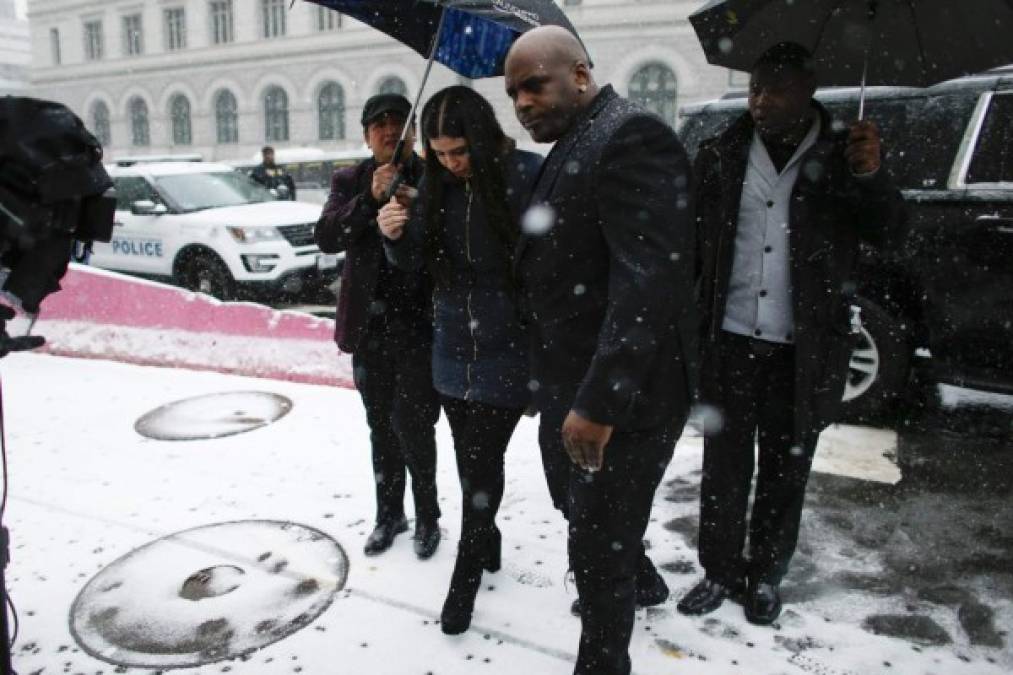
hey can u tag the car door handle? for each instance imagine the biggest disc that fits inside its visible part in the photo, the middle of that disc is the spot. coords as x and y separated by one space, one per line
999 223
118 223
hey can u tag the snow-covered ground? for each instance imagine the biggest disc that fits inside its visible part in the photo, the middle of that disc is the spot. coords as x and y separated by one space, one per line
87 489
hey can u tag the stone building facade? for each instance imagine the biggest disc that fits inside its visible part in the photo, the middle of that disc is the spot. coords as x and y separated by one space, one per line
15 50
224 77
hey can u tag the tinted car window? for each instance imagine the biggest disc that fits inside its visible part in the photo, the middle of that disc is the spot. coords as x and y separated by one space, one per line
938 124
130 189
699 127
993 154
890 117
310 175
198 191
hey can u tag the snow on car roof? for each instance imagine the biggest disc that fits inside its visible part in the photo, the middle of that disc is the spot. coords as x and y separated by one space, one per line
737 99
292 155
168 169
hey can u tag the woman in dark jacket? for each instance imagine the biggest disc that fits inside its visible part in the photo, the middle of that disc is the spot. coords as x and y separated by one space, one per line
464 227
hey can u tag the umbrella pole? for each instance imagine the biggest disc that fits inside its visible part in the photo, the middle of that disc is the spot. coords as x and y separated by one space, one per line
399 149
871 14
861 99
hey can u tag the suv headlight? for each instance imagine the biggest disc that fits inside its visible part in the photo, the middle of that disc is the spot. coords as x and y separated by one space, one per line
252 235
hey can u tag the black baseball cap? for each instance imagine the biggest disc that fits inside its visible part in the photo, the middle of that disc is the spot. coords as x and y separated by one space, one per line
381 104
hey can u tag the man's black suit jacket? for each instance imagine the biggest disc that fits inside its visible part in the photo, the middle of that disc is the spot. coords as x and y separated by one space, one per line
608 289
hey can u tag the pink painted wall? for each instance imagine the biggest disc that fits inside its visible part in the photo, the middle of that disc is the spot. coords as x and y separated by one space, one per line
102 297
104 315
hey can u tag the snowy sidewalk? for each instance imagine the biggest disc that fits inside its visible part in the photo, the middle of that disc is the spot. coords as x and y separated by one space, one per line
86 489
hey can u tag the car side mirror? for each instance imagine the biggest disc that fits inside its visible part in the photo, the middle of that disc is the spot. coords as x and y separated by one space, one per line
146 207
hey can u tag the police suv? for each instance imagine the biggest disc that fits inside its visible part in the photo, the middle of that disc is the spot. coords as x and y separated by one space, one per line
210 228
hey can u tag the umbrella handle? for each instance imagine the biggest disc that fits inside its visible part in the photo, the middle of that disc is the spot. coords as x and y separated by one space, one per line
399 176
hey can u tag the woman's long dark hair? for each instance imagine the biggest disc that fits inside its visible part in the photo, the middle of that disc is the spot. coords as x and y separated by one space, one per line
460 112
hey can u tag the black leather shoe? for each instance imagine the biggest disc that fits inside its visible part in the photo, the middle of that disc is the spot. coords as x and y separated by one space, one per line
427 538
382 536
705 597
763 603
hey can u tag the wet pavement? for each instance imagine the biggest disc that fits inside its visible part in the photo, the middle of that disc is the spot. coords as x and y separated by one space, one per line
922 562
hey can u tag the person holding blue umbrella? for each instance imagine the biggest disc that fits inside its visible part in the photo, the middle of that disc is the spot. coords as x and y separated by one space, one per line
382 320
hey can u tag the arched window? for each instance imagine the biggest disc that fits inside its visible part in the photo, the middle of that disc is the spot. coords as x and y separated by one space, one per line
179 113
392 85
100 123
139 134
655 87
331 111
276 114
226 117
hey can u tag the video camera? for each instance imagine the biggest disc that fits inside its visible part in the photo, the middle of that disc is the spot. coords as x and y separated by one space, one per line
54 195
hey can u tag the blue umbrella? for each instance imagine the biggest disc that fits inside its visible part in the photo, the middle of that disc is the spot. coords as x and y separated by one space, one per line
475 34
471 37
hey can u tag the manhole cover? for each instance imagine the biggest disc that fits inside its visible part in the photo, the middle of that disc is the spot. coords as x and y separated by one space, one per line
213 416
211 593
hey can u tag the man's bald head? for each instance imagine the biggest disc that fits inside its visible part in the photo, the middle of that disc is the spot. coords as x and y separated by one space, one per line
552 44
548 76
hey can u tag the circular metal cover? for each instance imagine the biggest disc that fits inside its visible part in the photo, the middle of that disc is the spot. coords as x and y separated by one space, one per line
211 593
213 416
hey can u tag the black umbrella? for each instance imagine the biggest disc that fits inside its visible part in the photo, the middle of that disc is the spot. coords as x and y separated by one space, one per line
471 37
875 42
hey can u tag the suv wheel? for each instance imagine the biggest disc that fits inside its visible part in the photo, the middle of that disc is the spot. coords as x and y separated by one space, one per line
879 367
206 273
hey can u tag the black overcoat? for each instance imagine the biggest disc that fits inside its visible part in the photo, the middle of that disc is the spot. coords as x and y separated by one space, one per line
831 211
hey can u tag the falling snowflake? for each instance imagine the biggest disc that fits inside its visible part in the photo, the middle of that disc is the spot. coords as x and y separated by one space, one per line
538 220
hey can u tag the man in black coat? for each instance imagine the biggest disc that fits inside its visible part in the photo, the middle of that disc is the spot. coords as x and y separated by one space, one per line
272 176
782 201
384 320
605 267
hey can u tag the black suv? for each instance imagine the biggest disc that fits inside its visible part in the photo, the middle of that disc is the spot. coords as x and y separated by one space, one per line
945 301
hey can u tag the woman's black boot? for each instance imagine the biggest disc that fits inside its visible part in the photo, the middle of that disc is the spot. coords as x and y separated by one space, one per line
460 603
493 550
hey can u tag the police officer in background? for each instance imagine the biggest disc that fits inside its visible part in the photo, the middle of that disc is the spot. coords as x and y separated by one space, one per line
273 177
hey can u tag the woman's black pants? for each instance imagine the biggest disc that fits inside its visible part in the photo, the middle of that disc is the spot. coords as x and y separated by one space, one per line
481 433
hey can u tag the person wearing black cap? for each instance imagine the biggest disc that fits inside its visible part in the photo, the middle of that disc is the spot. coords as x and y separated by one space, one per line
384 321
272 176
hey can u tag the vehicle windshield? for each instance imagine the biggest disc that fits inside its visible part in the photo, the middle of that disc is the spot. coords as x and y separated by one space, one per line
198 191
